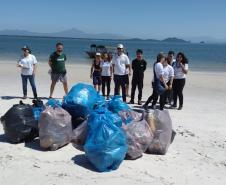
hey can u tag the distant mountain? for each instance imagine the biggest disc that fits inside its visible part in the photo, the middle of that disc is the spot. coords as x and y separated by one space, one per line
175 40
71 33
76 33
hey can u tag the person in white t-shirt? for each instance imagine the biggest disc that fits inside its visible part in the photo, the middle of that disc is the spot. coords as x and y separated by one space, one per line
28 64
106 74
120 64
158 71
170 60
180 70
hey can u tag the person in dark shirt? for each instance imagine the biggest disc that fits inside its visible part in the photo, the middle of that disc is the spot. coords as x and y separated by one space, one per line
138 66
58 71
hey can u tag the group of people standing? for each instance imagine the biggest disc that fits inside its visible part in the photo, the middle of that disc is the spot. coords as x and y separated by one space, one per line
168 81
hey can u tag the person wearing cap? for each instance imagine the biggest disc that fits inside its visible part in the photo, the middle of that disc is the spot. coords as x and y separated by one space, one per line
58 70
95 72
120 64
28 63
139 66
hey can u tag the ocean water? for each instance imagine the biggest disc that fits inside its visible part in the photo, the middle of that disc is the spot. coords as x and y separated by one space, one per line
202 57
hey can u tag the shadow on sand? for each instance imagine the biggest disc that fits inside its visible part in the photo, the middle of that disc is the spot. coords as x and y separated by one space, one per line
81 160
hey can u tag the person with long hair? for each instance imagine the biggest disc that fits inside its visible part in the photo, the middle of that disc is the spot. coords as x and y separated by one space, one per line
95 72
180 71
158 84
106 74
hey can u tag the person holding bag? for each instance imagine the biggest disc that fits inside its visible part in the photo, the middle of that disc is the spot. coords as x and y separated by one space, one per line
159 85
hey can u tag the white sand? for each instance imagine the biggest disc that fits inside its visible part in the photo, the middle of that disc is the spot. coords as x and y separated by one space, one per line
197 156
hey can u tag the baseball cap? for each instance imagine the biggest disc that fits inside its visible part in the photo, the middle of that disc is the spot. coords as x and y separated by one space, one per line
120 46
98 54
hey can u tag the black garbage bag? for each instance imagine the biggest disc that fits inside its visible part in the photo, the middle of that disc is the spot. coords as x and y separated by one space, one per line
19 123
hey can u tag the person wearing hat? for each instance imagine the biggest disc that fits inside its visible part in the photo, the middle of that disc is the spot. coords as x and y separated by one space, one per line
120 64
95 72
28 64
139 66
58 70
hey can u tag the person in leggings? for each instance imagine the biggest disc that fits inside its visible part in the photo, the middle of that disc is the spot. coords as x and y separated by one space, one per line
95 72
106 74
180 70
158 76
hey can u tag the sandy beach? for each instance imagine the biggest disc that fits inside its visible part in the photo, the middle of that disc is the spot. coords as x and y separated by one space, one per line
197 156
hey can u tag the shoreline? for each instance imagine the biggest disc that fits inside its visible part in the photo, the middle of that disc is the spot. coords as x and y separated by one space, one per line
42 64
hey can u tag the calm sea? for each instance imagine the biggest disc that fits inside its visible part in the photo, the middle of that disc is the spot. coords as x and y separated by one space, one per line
202 57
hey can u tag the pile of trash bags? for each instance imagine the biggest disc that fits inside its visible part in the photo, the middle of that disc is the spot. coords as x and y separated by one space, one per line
106 131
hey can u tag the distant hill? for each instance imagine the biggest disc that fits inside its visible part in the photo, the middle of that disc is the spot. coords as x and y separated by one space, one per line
76 33
71 33
175 40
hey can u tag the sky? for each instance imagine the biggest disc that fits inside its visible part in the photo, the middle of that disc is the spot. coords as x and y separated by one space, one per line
132 18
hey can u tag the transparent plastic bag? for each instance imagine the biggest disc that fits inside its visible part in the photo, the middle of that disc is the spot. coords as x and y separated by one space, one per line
55 128
129 116
162 124
79 136
139 137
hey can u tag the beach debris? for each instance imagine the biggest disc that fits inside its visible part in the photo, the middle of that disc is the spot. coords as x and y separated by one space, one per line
139 137
105 145
19 123
55 128
161 125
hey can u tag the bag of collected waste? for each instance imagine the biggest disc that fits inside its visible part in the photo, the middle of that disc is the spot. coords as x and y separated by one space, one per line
129 116
139 137
38 107
116 104
54 103
161 124
80 101
77 121
55 128
105 145
79 136
19 123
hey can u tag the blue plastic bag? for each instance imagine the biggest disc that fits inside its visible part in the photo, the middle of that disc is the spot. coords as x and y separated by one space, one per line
116 105
37 112
80 100
54 103
105 145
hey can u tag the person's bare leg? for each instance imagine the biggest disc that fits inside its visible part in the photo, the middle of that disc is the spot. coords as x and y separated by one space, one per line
65 88
127 90
53 84
99 87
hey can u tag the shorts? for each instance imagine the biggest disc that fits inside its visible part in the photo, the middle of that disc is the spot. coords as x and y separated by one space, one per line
59 77
97 78
127 79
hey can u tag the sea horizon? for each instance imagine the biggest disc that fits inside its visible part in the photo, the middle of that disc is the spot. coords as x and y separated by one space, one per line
202 57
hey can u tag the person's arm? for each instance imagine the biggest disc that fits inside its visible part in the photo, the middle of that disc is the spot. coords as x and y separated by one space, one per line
128 65
50 62
133 65
34 69
184 68
145 65
91 71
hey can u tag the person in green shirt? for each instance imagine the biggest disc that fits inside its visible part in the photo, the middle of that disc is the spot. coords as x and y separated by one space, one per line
58 70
